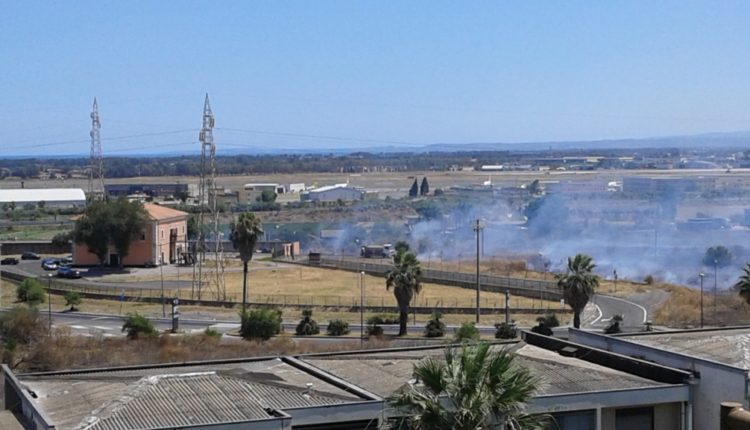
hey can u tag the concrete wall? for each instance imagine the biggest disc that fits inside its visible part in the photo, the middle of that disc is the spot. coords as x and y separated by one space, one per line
715 382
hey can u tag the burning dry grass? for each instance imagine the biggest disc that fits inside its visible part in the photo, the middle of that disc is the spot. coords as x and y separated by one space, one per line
683 309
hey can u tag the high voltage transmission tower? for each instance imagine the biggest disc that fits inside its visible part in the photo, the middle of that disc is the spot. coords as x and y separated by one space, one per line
96 164
208 217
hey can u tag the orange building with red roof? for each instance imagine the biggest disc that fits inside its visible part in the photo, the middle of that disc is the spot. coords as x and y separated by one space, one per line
163 240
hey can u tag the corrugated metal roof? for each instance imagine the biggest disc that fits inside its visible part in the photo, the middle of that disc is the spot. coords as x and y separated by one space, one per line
167 397
180 400
33 195
385 373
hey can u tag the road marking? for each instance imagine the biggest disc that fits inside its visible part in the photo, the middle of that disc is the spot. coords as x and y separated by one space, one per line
598 309
645 313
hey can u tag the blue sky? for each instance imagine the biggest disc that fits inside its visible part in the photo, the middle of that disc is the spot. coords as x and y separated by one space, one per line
413 72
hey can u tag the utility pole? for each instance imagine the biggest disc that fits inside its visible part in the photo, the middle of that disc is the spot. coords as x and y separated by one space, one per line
716 266
362 309
478 229
96 164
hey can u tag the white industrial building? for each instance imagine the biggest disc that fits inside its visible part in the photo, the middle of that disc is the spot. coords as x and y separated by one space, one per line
52 197
332 193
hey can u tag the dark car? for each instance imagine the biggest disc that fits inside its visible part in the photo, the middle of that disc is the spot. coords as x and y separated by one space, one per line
50 264
9 260
68 272
30 256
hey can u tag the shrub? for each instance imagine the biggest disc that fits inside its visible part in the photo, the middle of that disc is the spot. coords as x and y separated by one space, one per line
545 325
614 325
30 291
260 323
72 299
213 334
467 332
136 325
21 325
435 327
648 280
373 325
541 327
307 326
383 319
338 328
551 321
505 331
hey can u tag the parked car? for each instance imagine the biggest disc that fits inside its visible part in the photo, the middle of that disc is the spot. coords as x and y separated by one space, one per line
30 256
9 260
67 260
68 272
50 264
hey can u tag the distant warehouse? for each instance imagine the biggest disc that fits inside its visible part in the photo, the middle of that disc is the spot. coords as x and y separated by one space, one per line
333 193
57 197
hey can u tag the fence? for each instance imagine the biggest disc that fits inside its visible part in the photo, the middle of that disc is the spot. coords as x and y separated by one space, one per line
517 286
132 293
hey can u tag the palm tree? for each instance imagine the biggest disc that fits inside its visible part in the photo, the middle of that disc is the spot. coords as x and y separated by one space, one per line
578 284
406 279
244 236
743 284
469 388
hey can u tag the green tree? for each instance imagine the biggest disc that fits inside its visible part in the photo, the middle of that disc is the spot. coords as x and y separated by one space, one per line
468 331
136 325
72 299
414 190
30 291
424 189
743 283
718 256
406 280
106 224
468 388
578 284
266 196
244 235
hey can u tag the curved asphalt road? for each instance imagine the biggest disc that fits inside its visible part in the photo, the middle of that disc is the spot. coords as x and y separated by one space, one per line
602 308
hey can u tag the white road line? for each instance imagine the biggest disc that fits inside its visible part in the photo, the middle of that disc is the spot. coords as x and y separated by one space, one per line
598 309
645 313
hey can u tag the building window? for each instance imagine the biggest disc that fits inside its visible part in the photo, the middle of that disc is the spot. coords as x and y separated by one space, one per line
143 235
162 233
576 420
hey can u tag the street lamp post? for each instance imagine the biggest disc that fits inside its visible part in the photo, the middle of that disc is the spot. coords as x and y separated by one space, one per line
361 309
49 300
1 276
701 275
478 229
716 266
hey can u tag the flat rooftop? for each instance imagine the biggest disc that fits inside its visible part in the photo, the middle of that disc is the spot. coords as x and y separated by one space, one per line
728 346
179 396
386 372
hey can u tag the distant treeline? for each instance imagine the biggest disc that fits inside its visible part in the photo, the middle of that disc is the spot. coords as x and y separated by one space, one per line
124 167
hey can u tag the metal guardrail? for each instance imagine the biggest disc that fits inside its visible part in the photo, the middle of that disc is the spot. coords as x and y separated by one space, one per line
518 286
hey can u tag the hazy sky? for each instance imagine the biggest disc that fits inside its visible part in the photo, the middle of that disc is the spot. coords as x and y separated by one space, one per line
414 72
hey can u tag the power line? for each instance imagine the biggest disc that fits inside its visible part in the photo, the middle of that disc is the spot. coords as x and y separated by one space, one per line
317 136
71 142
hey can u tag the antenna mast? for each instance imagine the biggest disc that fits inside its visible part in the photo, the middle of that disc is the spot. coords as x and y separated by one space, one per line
96 164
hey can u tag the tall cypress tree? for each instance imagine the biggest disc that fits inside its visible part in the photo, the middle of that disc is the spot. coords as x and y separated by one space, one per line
425 188
414 191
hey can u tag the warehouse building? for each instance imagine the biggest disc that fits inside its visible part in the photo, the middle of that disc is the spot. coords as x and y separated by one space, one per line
581 387
718 358
51 197
333 193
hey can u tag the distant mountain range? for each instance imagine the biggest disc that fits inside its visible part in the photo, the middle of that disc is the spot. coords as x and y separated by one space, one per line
729 140
739 140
